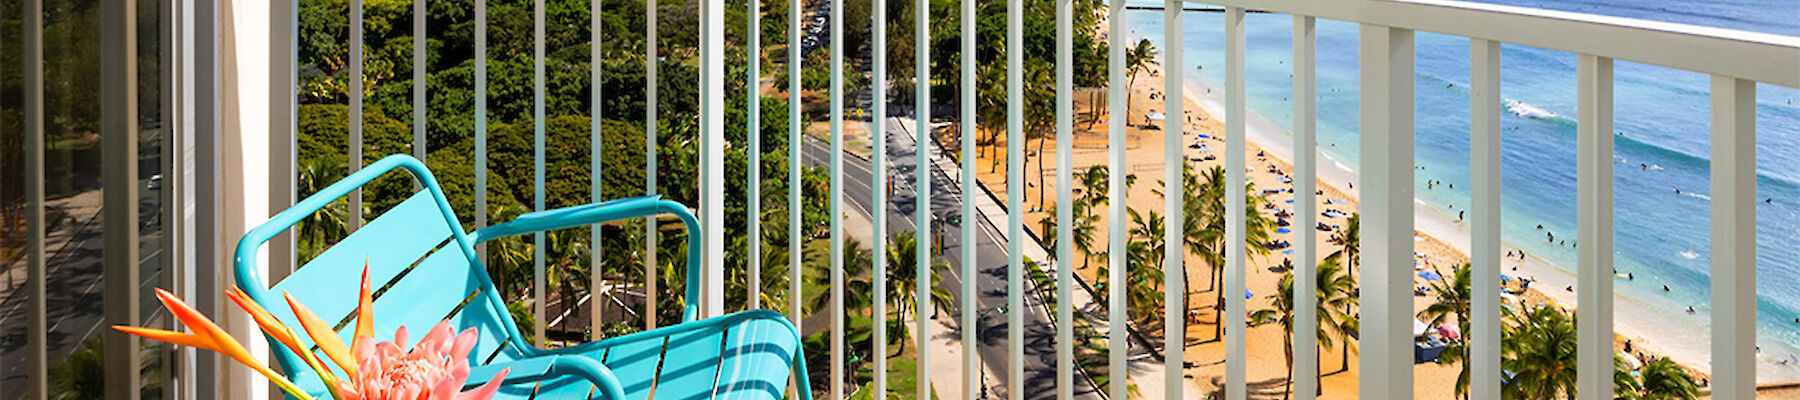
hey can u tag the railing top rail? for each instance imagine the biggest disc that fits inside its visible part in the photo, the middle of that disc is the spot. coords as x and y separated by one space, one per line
1761 57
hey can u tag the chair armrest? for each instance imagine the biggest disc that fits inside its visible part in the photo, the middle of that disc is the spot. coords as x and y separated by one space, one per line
587 214
550 367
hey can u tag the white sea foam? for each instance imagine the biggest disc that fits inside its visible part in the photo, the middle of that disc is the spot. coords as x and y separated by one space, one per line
1690 254
1522 109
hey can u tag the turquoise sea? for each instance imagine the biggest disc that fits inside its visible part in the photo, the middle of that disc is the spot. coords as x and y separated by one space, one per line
1662 116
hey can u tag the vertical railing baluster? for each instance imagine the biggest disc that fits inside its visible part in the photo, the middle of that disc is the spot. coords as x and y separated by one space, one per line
119 142
1065 205
924 233
651 66
1174 199
418 82
1235 197
596 143
1733 238
1306 249
836 197
1387 212
1484 170
753 129
481 100
204 139
537 156
37 355
355 137
169 112
712 160
1116 117
1015 204
794 211
283 142
878 192
1594 217
972 373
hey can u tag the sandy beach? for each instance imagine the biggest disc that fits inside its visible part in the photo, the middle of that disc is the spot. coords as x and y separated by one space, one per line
1439 243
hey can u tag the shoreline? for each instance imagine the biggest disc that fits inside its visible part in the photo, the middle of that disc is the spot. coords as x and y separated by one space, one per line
1431 224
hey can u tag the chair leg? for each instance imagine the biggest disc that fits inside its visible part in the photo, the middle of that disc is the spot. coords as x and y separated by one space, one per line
804 386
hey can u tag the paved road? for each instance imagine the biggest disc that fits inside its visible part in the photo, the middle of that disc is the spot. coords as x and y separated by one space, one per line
73 258
991 264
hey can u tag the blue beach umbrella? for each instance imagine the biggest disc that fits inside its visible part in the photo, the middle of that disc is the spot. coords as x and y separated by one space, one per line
1247 294
1505 277
1284 230
1430 275
1288 251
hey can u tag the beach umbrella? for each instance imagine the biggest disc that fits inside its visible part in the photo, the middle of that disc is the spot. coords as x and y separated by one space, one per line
1631 361
1157 116
1247 294
1450 331
1505 277
1288 251
1205 136
1290 201
1283 230
1509 298
1430 275
1419 327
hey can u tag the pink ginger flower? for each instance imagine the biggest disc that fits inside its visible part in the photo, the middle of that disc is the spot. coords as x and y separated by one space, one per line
435 369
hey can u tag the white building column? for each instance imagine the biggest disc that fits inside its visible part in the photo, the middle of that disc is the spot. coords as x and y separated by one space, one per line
245 47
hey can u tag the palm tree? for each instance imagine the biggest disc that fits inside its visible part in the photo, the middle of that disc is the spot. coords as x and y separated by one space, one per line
1137 59
327 225
1210 239
566 268
1333 294
1351 240
817 285
1625 385
509 258
1082 227
903 275
1665 379
1538 347
1453 299
1281 313
1040 111
1337 302
1094 180
1145 262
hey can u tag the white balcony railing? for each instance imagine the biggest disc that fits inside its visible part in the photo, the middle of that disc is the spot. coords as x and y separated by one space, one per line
202 168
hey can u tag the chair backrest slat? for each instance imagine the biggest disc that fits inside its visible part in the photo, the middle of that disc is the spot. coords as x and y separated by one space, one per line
754 348
691 365
389 245
634 364
443 287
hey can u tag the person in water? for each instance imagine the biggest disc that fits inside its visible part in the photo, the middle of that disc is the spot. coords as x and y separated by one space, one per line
1690 310
1665 288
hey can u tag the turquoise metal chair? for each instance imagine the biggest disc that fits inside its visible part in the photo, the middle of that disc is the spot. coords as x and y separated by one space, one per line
423 269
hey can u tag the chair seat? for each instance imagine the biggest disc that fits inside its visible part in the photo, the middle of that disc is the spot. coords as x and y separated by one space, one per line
745 355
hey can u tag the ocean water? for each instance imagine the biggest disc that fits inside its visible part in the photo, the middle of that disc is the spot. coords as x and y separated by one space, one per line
1662 117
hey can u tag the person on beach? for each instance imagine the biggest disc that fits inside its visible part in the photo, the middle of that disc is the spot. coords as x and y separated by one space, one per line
1690 310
